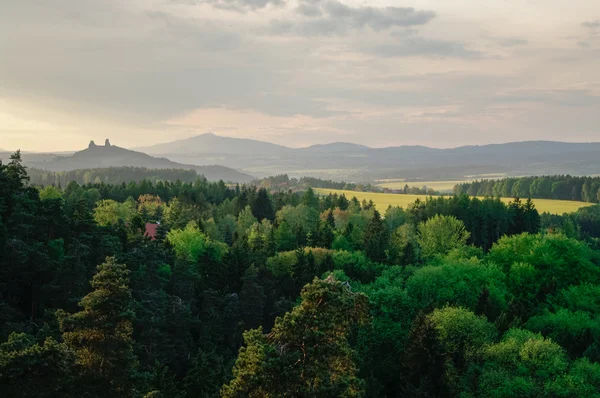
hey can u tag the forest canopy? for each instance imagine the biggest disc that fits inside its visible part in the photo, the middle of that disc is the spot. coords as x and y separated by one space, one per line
199 289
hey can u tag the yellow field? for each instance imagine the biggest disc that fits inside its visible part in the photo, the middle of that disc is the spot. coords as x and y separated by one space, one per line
446 186
383 200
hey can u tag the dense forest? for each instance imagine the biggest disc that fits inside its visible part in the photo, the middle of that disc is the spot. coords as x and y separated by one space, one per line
283 181
111 175
240 292
565 187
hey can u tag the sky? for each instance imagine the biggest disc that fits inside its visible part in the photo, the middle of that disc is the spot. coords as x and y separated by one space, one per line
298 72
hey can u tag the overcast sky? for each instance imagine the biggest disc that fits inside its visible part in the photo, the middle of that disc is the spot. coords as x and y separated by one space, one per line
439 73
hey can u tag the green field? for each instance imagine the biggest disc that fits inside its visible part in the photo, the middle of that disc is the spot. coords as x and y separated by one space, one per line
383 200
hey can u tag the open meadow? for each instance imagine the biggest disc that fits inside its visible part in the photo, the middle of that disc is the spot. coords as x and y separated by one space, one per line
383 200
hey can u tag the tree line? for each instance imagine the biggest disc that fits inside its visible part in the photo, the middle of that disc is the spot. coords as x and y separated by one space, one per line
564 187
110 175
246 293
283 181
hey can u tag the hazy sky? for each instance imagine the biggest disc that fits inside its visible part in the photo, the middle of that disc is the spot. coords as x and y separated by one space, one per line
382 72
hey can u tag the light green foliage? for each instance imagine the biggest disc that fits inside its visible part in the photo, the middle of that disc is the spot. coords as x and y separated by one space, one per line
259 233
285 237
465 253
299 217
462 338
440 234
245 221
211 230
395 217
50 192
189 243
282 263
110 212
357 266
394 311
459 284
520 365
560 261
461 331
307 353
179 214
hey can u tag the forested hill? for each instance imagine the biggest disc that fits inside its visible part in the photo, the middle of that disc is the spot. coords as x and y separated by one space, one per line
564 187
113 156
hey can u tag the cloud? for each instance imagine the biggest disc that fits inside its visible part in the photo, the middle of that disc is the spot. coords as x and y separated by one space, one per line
571 98
419 46
130 67
234 5
309 10
333 17
591 24
511 41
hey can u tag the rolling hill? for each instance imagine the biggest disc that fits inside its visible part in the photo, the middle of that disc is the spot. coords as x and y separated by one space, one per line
113 156
217 145
354 162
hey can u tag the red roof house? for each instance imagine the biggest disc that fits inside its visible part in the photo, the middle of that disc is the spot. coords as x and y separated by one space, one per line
151 230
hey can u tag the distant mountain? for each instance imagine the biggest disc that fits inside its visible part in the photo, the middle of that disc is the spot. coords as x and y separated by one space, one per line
354 162
337 147
213 144
113 156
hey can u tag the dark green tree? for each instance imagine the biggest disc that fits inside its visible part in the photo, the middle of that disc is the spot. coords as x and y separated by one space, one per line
376 238
262 207
101 334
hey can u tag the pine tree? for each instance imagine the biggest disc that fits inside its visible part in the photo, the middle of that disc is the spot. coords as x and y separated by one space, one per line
252 299
330 219
35 370
262 208
307 354
101 334
310 199
376 238
424 361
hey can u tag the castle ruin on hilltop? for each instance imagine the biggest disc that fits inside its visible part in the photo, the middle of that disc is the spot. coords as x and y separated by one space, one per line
93 144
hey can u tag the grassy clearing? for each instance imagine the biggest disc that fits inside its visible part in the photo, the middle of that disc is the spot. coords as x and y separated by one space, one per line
383 200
